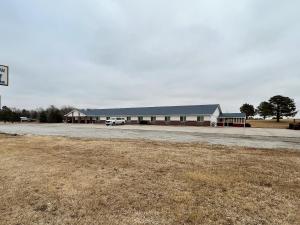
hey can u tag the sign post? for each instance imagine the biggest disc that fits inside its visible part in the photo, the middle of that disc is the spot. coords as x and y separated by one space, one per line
4 75
3 78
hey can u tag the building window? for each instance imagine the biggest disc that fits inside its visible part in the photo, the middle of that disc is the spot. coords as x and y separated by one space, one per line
107 118
200 118
182 118
140 118
128 118
153 118
167 118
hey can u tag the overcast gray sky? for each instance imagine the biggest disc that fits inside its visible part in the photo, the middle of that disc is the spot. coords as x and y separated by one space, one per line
119 53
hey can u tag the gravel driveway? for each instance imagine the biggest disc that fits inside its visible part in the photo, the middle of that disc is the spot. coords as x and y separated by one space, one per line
250 137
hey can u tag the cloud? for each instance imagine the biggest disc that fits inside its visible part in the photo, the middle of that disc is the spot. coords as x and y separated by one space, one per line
115 53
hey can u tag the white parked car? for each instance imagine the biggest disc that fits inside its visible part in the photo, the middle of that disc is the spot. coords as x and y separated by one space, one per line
115 121
25 119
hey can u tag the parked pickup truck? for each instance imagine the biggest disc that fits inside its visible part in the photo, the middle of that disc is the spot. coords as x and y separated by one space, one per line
115 121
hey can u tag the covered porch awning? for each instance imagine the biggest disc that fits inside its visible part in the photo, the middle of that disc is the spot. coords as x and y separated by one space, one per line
232 119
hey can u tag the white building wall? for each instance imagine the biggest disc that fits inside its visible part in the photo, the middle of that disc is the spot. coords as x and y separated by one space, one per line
214 116
191 118
206 118
160 118
175 118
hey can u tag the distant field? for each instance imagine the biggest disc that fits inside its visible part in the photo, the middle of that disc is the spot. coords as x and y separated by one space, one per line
55 180
283 124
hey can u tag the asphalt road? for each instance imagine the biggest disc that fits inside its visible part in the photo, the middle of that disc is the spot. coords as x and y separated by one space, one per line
250 137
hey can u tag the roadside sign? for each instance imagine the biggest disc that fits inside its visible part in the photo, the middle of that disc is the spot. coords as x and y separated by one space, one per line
4 75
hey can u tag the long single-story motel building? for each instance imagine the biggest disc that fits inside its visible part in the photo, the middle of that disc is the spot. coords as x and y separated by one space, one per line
192 115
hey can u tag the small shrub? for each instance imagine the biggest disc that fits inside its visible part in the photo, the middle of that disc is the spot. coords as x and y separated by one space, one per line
294 126
144 122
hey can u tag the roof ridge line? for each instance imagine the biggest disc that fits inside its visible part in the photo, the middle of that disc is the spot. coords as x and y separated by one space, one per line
153 107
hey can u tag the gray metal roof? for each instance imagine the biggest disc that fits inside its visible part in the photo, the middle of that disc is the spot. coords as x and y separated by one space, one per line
233 115
154 111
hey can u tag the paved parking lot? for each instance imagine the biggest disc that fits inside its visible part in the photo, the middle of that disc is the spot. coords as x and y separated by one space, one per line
250 137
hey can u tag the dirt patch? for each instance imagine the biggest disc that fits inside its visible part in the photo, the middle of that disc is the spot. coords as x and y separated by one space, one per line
283 124
55 180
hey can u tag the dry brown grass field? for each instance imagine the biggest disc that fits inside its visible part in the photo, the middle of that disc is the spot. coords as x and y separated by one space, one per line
283 124
56 180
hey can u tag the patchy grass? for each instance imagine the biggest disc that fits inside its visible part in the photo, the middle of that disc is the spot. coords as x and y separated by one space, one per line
283 124
55 180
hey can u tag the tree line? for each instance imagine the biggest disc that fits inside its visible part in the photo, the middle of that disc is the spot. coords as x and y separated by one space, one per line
50 115
277 106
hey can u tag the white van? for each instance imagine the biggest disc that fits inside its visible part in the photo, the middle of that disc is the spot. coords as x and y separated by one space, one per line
115 121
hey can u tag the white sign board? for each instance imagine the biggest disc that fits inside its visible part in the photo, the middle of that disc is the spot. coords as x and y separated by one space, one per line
4 75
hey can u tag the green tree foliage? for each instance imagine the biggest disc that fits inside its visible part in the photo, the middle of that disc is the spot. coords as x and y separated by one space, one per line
283 106
248 110
265 109
50 115
5 114
15 116
9 115
54 115
25 113
42 116
34 114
